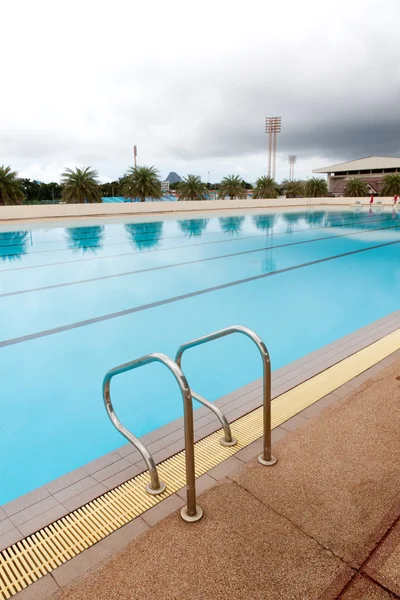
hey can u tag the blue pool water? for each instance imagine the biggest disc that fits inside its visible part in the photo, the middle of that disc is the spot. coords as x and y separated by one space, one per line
75 302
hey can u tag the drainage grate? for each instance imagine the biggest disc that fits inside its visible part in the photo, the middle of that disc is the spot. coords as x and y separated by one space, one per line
30 559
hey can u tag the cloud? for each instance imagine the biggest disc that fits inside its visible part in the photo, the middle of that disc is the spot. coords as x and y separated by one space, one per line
192 88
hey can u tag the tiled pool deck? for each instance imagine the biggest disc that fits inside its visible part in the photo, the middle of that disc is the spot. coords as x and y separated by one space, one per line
323 524
31 512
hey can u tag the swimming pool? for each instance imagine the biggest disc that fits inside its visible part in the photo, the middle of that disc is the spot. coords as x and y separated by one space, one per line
76 301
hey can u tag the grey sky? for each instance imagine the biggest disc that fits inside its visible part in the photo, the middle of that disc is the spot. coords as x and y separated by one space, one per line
191 84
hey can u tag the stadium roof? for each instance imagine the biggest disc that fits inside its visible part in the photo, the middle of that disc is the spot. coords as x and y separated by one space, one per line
363 164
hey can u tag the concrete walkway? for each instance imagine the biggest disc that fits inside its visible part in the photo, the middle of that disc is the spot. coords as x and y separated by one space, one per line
322 524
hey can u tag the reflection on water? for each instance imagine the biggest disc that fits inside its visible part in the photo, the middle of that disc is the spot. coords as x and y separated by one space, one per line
13 244
354 220
231 225
315 219
86 239
357 220
264 222
268 264
291 220
145 236
193 227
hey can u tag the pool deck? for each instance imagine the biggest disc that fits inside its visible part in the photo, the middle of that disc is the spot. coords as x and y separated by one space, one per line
322 524
37 509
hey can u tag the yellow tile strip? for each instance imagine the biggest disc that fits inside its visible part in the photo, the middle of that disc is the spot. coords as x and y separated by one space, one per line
30 559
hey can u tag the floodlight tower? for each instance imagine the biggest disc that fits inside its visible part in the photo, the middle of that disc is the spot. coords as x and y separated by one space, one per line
272 128
292 162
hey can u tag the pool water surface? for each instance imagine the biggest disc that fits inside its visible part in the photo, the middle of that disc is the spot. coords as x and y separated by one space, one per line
76 301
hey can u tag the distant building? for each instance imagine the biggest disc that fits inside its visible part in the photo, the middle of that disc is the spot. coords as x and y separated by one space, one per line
371 169
165 186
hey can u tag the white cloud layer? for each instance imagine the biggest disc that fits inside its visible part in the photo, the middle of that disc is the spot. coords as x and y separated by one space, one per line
191 84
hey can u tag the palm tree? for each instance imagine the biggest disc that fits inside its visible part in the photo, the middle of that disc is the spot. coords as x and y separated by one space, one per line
193 227
316 187
13 244
10 188
265 188
232 186
231 225
86 239
293 188
391 185
145 236
355 188
142 183
192 188
80 186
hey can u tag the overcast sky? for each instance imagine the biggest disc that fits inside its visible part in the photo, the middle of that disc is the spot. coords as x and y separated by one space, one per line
191 84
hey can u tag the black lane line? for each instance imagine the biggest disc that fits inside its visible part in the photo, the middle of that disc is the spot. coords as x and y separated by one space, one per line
135 309
237 239
188 262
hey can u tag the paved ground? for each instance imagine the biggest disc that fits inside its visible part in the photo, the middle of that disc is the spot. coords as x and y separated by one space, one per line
320 525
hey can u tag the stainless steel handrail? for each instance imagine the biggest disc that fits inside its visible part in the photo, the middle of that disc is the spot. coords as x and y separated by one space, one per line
228 439
266 457
190 512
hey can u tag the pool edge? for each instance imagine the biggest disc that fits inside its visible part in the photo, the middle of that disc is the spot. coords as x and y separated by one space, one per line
287 405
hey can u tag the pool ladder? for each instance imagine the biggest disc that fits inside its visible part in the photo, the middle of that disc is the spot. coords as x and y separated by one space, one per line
192 512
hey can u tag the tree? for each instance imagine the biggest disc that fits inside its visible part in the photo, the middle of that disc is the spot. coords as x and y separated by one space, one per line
231 225
10 188
232 186
355 188
86 239
142 183
145 236
52 191
391 185
193 227
80 186
316 187
265 188
31 189
293 188
110 190
192 188
38 191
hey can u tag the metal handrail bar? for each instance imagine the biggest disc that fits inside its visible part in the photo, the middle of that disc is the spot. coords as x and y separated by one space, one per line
190 512
228 439
266 457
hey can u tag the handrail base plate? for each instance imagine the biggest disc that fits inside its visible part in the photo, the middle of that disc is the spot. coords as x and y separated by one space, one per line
223 442
159 490
191 518
267 463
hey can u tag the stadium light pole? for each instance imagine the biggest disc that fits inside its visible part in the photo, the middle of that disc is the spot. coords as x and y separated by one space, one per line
292 162
272 128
